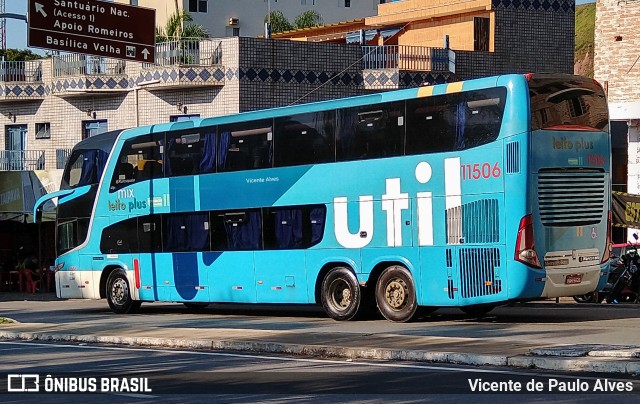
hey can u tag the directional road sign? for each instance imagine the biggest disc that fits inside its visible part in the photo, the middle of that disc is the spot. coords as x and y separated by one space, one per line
93 27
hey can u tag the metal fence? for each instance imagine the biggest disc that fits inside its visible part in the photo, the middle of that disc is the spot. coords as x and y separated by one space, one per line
403 57
62 155
74 65
26 71
21 160
197 52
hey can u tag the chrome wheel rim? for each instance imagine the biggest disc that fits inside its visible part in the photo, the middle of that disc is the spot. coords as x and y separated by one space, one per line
119 292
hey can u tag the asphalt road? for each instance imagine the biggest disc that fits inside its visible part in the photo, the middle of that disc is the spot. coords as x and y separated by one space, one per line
196 376
540 323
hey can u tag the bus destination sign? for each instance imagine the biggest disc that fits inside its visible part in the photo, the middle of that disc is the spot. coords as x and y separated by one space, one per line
93 27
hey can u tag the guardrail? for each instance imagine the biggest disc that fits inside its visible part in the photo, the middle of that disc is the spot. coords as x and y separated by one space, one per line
190 51
404 57
21 160
76 65
29 71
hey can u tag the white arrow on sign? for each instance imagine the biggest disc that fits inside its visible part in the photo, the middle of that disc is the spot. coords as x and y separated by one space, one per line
145 53
40 9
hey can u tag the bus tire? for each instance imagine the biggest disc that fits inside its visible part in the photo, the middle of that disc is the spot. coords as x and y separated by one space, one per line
119 295
340 294
396 294
477 310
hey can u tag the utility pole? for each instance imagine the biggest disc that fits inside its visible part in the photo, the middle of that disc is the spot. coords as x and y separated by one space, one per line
3 27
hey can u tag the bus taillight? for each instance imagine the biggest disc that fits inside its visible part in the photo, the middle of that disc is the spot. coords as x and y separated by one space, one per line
607 246
525 248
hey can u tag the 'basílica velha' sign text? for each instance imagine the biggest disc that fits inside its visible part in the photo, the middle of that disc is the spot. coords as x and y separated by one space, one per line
93 27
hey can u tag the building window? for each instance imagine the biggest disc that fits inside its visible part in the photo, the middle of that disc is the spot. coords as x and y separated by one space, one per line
236 32
198 6
133 2
347 3
92 128
43 130
181 118
480 34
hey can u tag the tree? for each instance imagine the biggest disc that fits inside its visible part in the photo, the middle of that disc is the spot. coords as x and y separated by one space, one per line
176 29
279 22
309 18
19 55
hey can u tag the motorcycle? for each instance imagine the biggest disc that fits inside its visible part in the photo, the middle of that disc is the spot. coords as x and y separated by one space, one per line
624 288
623 283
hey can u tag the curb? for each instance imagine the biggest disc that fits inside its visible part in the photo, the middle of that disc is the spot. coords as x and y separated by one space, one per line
593 364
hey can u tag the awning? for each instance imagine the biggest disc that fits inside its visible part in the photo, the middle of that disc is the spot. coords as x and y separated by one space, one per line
20 189
389 32
354 36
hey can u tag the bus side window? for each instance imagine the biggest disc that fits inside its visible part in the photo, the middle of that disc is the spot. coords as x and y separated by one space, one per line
186 232
304 139
430 125
244 229
190 153
245 146
370 132
484 110
293 227
120 238
144 154
150 233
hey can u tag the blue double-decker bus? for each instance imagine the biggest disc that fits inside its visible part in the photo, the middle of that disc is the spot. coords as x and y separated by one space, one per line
468 194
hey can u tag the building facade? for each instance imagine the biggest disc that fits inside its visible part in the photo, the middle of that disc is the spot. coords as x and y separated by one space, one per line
617 67
224 18
488 36
48 105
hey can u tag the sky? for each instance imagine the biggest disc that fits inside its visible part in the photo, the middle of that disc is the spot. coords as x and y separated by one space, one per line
17 29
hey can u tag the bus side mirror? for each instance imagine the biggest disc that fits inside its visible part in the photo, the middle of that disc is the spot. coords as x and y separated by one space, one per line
38 215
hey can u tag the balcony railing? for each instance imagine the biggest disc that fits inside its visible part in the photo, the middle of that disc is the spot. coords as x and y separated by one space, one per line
193 52
21 160
62 155
403 57
85 65
29 71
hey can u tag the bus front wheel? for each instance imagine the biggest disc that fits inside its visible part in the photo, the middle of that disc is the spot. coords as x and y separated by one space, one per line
396 294
341 294
119 295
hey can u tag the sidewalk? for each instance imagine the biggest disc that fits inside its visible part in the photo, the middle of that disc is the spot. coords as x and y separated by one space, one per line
600 358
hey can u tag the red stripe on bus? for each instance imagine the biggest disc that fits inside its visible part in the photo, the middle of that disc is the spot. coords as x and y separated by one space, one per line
136 272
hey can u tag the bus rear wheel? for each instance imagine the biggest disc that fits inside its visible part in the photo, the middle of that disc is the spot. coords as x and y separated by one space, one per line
396 294
340 294
119 295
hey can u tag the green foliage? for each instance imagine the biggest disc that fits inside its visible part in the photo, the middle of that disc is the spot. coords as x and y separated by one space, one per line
585 20
279 22
176 29
309 18
18 55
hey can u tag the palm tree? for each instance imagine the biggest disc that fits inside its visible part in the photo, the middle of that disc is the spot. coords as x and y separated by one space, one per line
176 29
176 35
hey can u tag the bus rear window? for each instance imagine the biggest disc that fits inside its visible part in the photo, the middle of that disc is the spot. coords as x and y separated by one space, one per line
567 103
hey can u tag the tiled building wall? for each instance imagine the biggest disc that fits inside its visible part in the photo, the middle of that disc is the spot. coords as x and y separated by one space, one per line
617 48
530 36
276 73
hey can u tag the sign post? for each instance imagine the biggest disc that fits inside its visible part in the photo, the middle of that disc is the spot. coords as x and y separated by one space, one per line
93 27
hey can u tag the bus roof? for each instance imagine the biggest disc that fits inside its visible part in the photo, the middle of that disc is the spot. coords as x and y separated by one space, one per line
103 141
